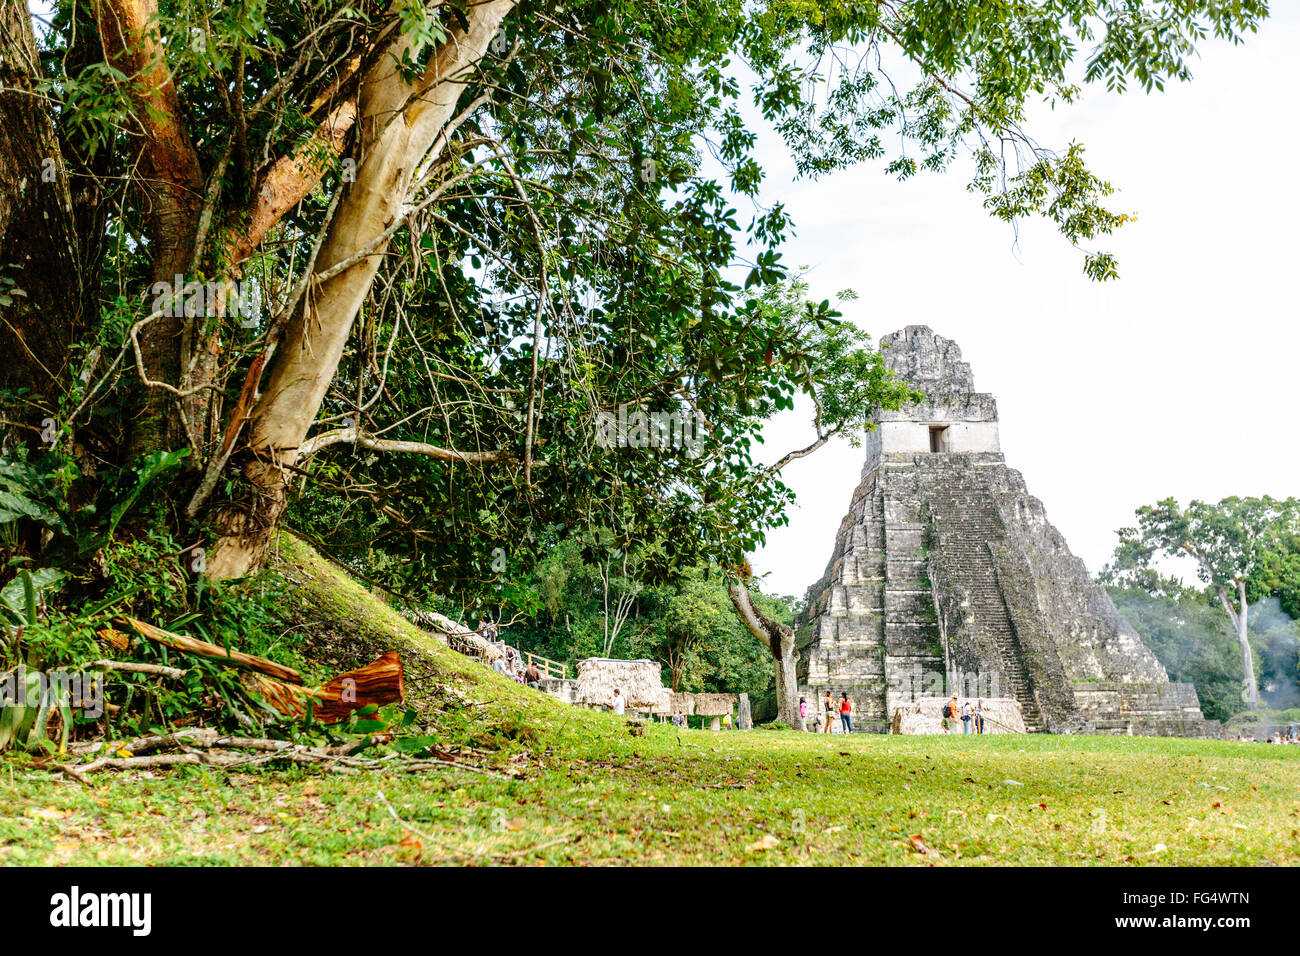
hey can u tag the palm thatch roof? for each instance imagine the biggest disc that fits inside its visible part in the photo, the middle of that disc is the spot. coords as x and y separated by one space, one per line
714 705
639 681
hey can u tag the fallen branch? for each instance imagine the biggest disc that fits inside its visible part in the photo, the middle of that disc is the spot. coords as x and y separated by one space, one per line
192 645
464 858
428 763
379 682
138 763
525 851
185 737
75 775
232 753
131 667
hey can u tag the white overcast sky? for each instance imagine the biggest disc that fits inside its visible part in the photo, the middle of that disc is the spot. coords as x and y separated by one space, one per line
1178 379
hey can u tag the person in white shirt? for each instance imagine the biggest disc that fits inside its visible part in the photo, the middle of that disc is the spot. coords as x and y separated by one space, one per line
620 704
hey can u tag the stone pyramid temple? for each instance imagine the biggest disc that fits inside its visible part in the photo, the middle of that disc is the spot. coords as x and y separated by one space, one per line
946 577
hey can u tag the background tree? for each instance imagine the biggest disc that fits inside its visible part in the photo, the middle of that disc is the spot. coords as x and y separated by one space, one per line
1196 642
687 624
1277 574
696 621
1229 543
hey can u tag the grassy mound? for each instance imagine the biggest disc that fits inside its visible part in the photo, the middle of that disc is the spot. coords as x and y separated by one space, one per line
564 785
342 624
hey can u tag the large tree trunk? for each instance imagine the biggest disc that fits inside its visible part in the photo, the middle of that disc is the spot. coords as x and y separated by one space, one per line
778 639
182 352
398 123
38 236
169 174
1240 620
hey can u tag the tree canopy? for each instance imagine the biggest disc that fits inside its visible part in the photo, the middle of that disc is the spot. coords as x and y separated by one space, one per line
1239 546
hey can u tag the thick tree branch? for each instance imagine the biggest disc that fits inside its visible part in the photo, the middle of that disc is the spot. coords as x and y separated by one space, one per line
759 624
292 177
802 452
129 31
356 436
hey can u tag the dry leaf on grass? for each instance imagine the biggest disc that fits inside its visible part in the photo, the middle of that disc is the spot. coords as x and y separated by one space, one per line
768 842
916 843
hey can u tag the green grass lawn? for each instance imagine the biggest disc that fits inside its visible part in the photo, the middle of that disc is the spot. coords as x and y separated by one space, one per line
582 790
595 795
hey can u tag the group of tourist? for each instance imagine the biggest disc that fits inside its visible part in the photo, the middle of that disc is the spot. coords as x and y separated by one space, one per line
972 715
1277 738
510 665
824 719
507 661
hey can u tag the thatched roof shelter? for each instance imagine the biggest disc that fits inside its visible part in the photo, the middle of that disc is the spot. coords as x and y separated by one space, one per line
925 716
640 682
714 705
682 703
458 636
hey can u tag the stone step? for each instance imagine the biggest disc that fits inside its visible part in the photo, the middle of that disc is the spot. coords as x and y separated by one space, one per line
967 531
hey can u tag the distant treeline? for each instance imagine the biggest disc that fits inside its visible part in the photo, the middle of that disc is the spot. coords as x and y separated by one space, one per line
1196 642
575 605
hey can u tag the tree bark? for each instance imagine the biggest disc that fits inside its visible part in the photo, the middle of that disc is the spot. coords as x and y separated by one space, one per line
1240 618
379 682
778 639
184 352
171 179
38 236
398 122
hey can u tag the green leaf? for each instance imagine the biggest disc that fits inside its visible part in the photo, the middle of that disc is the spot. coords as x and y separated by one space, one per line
21 594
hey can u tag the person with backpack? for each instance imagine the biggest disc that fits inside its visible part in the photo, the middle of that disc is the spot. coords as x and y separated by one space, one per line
949 714
967 713
846 713
828 714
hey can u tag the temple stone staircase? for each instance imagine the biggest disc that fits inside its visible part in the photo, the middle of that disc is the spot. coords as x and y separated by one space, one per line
968 532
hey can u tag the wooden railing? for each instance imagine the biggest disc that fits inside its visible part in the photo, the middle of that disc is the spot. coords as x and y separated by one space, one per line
548 667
